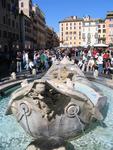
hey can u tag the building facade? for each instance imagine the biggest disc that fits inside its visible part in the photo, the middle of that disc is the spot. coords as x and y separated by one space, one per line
76 31
52 39
9 26
26 32
89 31
109 27
33 24
101 31
40 25
70 32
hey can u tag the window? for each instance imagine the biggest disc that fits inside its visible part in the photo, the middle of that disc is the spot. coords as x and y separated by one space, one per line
70 24
86 24
66 28
110 25
9 22
12 1
62 29
99 31
74 32
17 36
9 34
66 32
66 38
13 23
4 3
13 36
93 23
22 4
83 36
104 30
103 26
17 25
110 19
4 34
70 28
0 33
70 38
98 26
4 20
8 7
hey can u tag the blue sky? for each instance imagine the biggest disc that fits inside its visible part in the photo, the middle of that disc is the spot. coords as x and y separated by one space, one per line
56 10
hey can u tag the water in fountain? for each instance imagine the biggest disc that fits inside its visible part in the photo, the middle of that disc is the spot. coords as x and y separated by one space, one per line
13 137
101 137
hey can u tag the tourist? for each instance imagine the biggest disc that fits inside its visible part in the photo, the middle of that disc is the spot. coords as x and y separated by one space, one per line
107 67
19 61
25 60
80 63
90 65
31 66
100 63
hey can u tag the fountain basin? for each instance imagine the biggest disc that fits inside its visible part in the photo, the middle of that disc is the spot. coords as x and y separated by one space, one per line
12 136
59 106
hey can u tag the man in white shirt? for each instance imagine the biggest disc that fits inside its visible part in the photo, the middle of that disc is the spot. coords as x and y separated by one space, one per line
100 63
90 64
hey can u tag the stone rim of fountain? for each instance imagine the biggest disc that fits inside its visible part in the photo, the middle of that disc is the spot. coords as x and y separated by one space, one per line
103 81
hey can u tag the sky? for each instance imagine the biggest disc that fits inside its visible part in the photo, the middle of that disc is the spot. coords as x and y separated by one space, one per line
57 10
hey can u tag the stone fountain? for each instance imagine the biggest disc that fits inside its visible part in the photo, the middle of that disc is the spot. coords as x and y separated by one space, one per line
57 107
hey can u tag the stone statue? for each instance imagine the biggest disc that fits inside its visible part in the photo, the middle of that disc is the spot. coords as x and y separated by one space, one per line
57 107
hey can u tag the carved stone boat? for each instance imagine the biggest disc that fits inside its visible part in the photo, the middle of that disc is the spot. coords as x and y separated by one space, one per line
60 105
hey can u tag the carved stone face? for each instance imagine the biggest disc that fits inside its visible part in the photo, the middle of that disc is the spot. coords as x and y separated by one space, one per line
40 87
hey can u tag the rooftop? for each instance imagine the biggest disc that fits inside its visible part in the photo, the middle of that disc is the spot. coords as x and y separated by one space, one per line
71 19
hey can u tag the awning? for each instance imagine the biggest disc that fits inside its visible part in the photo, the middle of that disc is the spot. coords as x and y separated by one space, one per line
100 45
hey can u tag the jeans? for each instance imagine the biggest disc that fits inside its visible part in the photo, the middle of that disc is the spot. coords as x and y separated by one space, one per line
19 67
100 68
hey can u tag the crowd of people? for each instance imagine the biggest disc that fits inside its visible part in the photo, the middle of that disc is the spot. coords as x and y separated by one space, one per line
96 59
38 60
88 60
